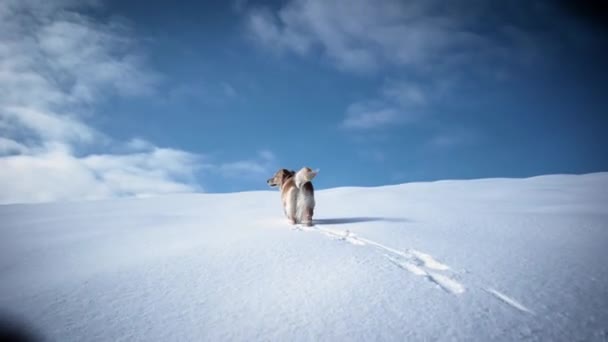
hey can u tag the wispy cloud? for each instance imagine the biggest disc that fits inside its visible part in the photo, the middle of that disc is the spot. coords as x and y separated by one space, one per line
397 103
422 45
259 166
9 146
368 115
46 124
56 64
267 155
139 144
367 36
56 174
363 36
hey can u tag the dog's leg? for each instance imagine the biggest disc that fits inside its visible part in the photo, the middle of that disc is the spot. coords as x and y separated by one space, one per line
290 206
288 212
307 217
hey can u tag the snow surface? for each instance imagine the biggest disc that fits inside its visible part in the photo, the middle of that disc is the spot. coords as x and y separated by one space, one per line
476 260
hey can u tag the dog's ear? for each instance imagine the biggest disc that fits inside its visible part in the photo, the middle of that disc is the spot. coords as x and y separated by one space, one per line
282 174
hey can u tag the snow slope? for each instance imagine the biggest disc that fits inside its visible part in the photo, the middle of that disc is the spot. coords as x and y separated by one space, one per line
477 260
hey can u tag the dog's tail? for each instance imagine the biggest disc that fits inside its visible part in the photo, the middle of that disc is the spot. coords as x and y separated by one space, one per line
305 174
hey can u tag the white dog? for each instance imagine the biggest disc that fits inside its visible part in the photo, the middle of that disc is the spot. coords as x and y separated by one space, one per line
297 193
306 195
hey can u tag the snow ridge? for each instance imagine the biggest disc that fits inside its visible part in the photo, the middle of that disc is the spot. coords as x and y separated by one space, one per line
478 260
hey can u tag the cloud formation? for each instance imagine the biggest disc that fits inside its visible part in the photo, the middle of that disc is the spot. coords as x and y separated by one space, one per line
55 65
422 45
56 174
254 168
397 103
363 36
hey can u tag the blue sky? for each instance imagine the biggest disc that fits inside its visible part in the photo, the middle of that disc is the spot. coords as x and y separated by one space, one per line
110 98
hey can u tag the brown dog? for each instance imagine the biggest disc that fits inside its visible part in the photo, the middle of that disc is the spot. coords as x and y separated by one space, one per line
284 179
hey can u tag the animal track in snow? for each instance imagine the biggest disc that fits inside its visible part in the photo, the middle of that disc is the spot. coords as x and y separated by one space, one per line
509 300
345 236
338 235
446 283
428 260
415 262
412 260
408 266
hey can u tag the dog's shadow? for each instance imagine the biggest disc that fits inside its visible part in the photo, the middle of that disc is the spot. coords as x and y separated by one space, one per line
346 220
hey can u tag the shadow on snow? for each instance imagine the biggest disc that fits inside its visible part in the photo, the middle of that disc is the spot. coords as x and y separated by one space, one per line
346 220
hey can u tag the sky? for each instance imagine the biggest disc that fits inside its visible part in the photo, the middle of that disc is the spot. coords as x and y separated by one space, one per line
104 99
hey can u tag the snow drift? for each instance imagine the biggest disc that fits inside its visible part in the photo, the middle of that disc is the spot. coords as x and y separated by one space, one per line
489 259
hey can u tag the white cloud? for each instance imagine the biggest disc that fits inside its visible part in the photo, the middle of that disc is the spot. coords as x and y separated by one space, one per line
64 58
54 64
91 57
47 124
363 35
158 171
8 146
56 175
406 94
240 167
398 103
139 144
257 167
425 39
432 42
370 115
266 30
267 155
454 136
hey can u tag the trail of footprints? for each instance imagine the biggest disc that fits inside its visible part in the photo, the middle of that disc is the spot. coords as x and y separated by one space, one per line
416 262
420 268
413 261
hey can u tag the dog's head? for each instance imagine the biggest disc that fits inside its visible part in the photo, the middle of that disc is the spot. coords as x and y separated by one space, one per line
280 177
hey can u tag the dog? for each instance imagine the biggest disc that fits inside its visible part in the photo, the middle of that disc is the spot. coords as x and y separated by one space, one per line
305 204
297 194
